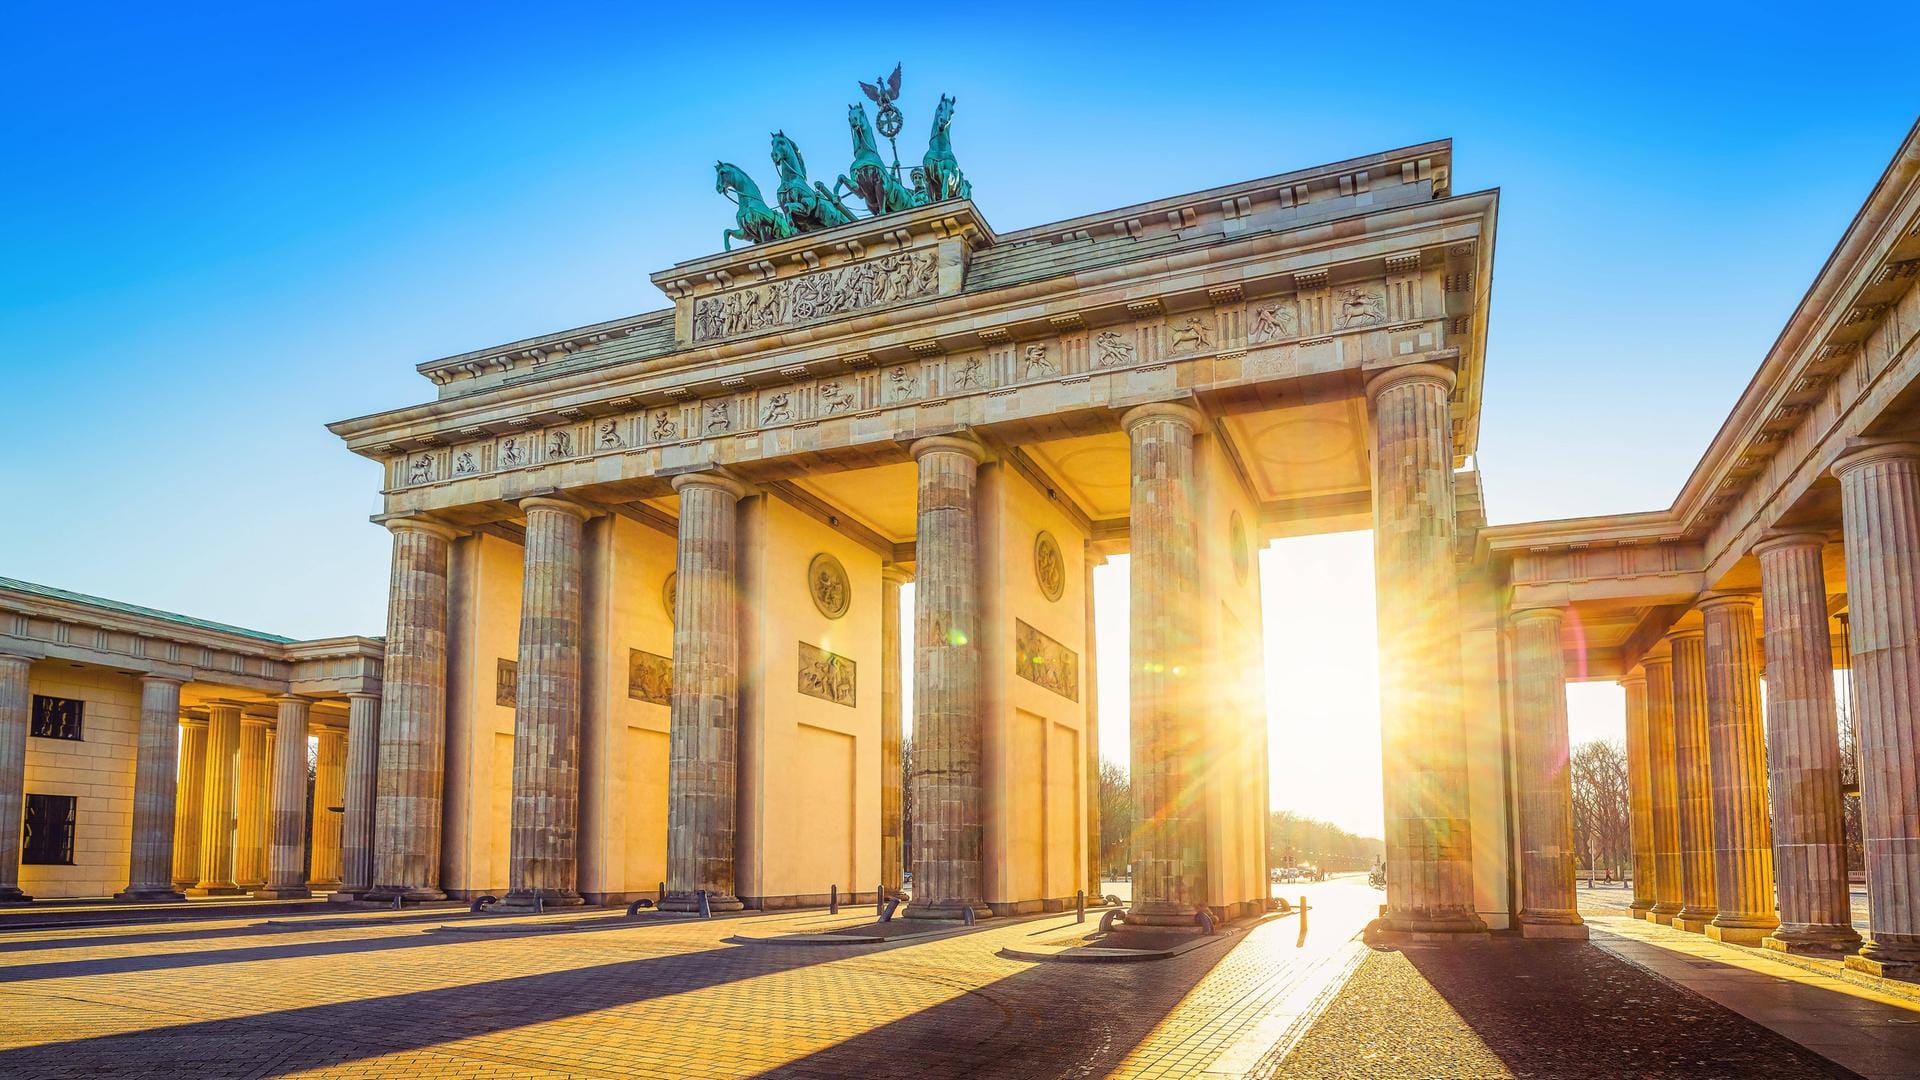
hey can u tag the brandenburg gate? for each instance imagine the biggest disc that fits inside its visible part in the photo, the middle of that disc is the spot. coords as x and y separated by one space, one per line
644 621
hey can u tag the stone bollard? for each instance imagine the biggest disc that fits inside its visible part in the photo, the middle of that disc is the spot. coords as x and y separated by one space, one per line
880 901
1080 906
833 899
706 909
966 914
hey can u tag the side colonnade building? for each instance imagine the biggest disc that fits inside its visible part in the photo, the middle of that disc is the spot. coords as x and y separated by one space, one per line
1792 552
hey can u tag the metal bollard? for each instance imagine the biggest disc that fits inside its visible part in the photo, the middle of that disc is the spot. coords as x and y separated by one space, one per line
1205 920
1112 916
481 902
706 910
1080 906
886 912
833 899
661 899
880 902
396 903
539 903
966 914
633 909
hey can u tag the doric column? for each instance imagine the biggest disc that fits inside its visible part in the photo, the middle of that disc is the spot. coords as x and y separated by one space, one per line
947 868
150 857
329 784
1663 790
253 786
1091 737
543 865
189 800
1423 734
1693 781
1639 793
1548 904
1742 836
1167 710
413 716
1880 509
16 714
217 803
704 740
356 823
892 779
1803 751
287 852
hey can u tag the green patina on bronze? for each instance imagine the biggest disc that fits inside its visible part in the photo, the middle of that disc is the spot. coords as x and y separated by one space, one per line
803 206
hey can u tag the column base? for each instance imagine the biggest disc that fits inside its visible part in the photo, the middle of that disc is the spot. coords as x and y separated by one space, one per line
1906 970
1831 942
1553 928
11 894
1663 914
159 894
1639 908
1161 913
347 896
216 890
406 894
283 892
949 910
686 901
1694 920
535 900
1738 935
1410 929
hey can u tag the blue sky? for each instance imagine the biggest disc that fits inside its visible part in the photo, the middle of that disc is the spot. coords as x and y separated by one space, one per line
224 228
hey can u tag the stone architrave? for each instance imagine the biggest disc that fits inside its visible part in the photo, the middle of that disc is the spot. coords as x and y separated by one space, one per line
150 856
1742 837
188 799
287 847
948 877
218 816
329 784
356 822
1639 794
413 716
16 707
892 779
1663 790
1880 514
253 786
1548 904
704 737
1423 734
544 866
1168 709
1803 751
1693 781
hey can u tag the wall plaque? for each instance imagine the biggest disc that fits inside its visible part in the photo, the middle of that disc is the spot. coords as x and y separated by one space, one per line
670 594
506 683
827 581
1048 567
827 676
1040 659
649 677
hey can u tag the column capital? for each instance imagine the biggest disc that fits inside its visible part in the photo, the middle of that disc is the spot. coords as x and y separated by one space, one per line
285 700
1778 541
1729 598
1637 677
1558 612
15 658
1434 373
1163 410
717 481
1861 452
953 444
895 575
560 505
373 695
174 679
419 523
255 720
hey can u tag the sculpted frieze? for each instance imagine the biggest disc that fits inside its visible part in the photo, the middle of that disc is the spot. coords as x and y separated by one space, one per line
827 676
842 290
1045 662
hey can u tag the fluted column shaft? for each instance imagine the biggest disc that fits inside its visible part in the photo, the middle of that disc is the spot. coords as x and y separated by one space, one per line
1693 781
218 802
892 779
1423 734
1167 736
1880 509
948 876
704 739
253 787
1548 907
329 784
1803 751
188 801
1663 791
150 857
356 823
1639 794
287 849
1091 738
16 715
413 717
544 856
1742 835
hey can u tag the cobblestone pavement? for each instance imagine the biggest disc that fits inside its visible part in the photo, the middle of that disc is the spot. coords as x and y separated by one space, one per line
1514 1008
590 994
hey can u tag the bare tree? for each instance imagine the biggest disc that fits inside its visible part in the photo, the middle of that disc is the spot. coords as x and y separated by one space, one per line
906 803
1602 831
1116 818
1293 839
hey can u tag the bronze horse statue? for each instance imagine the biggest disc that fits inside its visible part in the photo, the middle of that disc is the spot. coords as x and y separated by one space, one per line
754 221
872 180
809 206
944 178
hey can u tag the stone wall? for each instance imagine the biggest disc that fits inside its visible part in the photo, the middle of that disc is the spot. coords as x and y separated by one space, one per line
97 770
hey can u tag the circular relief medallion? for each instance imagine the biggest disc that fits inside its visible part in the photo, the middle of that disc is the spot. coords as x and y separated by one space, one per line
1049 569
670 594
1242 558
827 581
